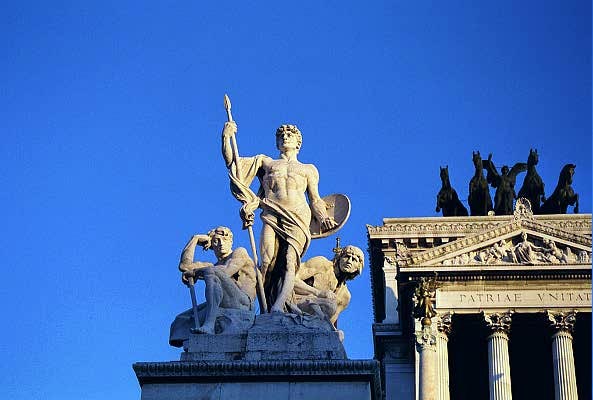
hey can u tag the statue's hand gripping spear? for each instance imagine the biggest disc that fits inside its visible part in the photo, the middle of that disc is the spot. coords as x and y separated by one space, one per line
259 279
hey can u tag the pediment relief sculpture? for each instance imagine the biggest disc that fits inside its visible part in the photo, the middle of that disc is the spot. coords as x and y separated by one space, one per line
521 240
522 249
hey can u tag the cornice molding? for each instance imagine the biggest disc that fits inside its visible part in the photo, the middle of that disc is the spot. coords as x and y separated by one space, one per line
258 371
461 226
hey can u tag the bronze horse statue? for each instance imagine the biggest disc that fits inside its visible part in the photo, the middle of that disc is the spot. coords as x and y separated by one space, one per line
563 195
533 186
479 199
447 198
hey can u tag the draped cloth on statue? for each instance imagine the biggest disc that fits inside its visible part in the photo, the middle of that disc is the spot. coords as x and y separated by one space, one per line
291 225
292 229
249 169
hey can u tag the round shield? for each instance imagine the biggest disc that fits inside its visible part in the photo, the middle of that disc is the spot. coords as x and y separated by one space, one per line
338 208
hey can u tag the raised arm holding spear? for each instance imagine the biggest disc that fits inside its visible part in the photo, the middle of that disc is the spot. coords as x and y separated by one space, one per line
249 200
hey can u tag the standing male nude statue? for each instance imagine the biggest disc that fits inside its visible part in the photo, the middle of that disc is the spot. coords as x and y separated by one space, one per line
286 215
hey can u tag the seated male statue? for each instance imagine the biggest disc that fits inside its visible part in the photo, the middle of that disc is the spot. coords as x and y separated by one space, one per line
229 283
320 285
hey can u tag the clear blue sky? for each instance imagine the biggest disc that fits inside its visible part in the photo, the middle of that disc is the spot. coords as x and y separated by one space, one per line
111 115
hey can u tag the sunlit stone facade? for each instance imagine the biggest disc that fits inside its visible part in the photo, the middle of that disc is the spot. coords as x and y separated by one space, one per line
513 302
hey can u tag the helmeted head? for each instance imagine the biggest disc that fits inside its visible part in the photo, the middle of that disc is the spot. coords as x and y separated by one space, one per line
221 241
288 137
349 262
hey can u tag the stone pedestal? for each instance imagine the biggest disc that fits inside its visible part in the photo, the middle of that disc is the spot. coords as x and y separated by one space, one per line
261 380
276 336
282 356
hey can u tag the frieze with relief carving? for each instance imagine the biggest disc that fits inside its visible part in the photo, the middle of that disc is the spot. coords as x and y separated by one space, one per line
523 250
510 243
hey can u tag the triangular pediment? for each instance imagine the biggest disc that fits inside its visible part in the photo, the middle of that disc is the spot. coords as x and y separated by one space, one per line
521 241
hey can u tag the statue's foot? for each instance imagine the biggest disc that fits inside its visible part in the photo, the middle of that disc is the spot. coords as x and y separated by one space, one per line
206 328
293 309
276 309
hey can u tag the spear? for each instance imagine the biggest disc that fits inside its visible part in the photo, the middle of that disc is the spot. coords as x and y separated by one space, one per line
259 280
194 305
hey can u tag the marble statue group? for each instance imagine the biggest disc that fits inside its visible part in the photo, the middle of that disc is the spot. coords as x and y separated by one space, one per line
275 273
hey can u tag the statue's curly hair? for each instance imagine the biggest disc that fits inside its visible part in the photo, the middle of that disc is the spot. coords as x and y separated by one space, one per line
291 128
349 249
221 231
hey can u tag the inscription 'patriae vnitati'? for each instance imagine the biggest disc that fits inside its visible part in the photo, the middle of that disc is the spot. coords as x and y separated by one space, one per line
513 298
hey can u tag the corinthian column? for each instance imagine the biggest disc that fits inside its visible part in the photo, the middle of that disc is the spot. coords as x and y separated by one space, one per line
565 382
443 331
425 339
499 368
427 350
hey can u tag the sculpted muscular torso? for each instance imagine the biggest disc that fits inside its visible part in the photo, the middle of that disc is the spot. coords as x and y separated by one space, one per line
320 287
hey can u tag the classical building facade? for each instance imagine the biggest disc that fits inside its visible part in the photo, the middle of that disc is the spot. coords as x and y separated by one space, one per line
512 296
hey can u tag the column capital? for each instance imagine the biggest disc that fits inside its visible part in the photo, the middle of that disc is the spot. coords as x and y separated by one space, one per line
498 322
562 321
425 339
444 323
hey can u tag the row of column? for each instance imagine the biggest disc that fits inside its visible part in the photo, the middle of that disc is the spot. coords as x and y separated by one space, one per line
434 363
